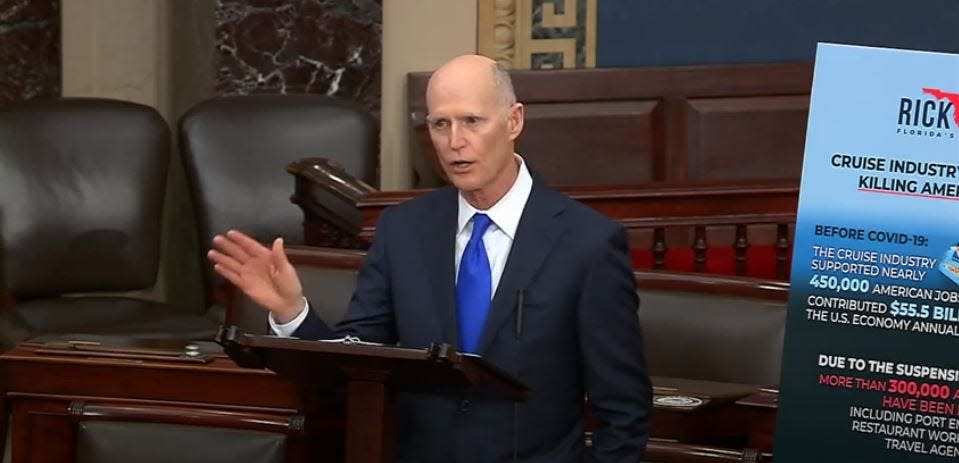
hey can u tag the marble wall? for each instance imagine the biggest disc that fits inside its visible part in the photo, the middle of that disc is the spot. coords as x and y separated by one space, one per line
330 47
29 49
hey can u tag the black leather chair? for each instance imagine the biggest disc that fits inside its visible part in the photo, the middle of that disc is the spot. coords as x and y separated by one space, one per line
235 150
104 441
82 183
713 337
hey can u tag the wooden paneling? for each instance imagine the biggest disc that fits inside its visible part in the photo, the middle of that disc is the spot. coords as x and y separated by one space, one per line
638 125
628 152
745 138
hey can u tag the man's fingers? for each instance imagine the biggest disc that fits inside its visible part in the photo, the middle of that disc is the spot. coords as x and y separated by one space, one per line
227 246
279 255
251 246
225 261
230 275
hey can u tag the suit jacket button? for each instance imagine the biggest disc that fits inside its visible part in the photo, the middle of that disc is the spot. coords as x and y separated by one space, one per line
465 405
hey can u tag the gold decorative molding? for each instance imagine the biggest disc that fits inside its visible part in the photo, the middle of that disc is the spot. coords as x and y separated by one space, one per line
496 26
553 19
564 31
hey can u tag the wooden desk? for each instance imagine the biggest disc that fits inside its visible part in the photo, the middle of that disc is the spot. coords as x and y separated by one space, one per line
47 394
760 409
735 416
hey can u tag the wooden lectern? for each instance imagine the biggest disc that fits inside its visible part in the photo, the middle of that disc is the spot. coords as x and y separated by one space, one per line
369 373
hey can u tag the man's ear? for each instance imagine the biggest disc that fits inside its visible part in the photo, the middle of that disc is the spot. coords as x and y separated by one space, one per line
517 117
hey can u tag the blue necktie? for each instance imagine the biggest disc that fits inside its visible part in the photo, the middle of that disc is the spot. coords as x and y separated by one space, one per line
474 286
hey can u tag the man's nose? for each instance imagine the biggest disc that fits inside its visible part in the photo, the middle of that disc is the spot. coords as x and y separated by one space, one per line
457 140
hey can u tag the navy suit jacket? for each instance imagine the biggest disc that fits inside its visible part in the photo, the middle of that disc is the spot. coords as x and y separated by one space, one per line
580 333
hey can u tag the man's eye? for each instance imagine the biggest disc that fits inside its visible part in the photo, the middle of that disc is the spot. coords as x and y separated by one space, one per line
440 124
472 120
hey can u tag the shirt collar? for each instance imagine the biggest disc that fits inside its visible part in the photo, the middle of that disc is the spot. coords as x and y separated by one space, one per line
508 210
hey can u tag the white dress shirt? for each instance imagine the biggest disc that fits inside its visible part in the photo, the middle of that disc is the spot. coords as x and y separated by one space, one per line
498 238
505 215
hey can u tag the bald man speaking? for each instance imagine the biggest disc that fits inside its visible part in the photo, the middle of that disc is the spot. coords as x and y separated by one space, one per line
499 265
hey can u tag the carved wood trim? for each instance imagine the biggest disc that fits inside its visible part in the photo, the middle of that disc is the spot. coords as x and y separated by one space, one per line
772 290
665 451
105 411
325 257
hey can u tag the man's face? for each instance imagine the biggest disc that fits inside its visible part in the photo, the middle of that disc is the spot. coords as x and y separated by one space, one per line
473 132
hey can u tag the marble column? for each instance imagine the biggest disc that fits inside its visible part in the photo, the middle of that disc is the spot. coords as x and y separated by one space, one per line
330 47
29 49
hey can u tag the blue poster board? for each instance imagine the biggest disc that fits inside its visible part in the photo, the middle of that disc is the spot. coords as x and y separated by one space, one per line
871 356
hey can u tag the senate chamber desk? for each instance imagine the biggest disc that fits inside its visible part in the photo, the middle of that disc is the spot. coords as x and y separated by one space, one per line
715 413
52 390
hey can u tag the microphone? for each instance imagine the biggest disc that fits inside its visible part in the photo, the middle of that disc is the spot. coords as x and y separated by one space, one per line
519 312
520 295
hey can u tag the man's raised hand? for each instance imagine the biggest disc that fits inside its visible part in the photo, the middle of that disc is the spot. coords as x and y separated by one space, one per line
264 274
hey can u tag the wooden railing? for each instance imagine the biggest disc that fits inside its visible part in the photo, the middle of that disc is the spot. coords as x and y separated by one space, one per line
661 218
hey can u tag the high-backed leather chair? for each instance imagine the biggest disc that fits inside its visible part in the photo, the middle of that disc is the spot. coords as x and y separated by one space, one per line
82 183
714 337
236 150
118 441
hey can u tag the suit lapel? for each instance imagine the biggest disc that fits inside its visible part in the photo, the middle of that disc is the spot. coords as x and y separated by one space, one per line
537 233
438 229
